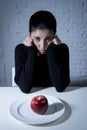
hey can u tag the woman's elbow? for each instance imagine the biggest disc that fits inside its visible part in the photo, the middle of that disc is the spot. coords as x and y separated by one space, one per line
26 91
23 87
61 87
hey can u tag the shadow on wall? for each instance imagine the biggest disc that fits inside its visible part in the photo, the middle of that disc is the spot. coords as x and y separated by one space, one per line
78 83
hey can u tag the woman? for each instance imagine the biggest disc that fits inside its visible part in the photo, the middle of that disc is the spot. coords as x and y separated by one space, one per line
42 60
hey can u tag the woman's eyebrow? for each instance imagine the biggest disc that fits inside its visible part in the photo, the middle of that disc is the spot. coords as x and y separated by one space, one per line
49 36
36 37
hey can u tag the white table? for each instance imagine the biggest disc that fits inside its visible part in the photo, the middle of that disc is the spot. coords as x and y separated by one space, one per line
74 118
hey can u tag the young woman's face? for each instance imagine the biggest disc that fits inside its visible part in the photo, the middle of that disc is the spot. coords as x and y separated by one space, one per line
42 39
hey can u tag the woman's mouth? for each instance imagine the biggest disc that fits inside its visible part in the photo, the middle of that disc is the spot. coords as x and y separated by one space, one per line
42 51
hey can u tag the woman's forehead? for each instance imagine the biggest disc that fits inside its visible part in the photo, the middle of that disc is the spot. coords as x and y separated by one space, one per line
40 32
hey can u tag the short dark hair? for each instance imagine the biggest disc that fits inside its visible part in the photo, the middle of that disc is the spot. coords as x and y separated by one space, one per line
42 20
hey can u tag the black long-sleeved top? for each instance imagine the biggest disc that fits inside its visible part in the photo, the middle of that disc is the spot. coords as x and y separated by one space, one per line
50 69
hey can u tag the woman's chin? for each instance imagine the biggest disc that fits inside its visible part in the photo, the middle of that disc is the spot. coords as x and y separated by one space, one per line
43 52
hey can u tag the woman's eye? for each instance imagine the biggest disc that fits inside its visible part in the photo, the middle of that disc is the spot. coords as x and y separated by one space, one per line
37 39
48 39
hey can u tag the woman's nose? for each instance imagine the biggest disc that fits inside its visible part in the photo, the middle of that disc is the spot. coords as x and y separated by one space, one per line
42 45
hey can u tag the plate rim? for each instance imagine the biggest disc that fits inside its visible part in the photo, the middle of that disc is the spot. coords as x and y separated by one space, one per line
22 100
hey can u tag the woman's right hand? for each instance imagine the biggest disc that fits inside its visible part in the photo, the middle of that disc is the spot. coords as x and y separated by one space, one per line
28 41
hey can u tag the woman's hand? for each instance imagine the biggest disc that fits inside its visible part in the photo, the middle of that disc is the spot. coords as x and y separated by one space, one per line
56 40
28 41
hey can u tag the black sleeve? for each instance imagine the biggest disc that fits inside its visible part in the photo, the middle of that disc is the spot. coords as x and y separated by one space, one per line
24 62
58 63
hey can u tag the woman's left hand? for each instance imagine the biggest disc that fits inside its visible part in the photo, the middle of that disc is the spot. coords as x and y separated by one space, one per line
56 40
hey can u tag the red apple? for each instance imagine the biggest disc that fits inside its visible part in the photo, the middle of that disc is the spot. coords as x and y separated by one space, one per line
39 104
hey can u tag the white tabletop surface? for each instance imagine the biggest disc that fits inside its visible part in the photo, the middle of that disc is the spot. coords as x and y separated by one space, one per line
74 117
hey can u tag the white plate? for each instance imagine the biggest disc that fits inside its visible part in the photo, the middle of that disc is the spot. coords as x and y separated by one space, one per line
22 111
